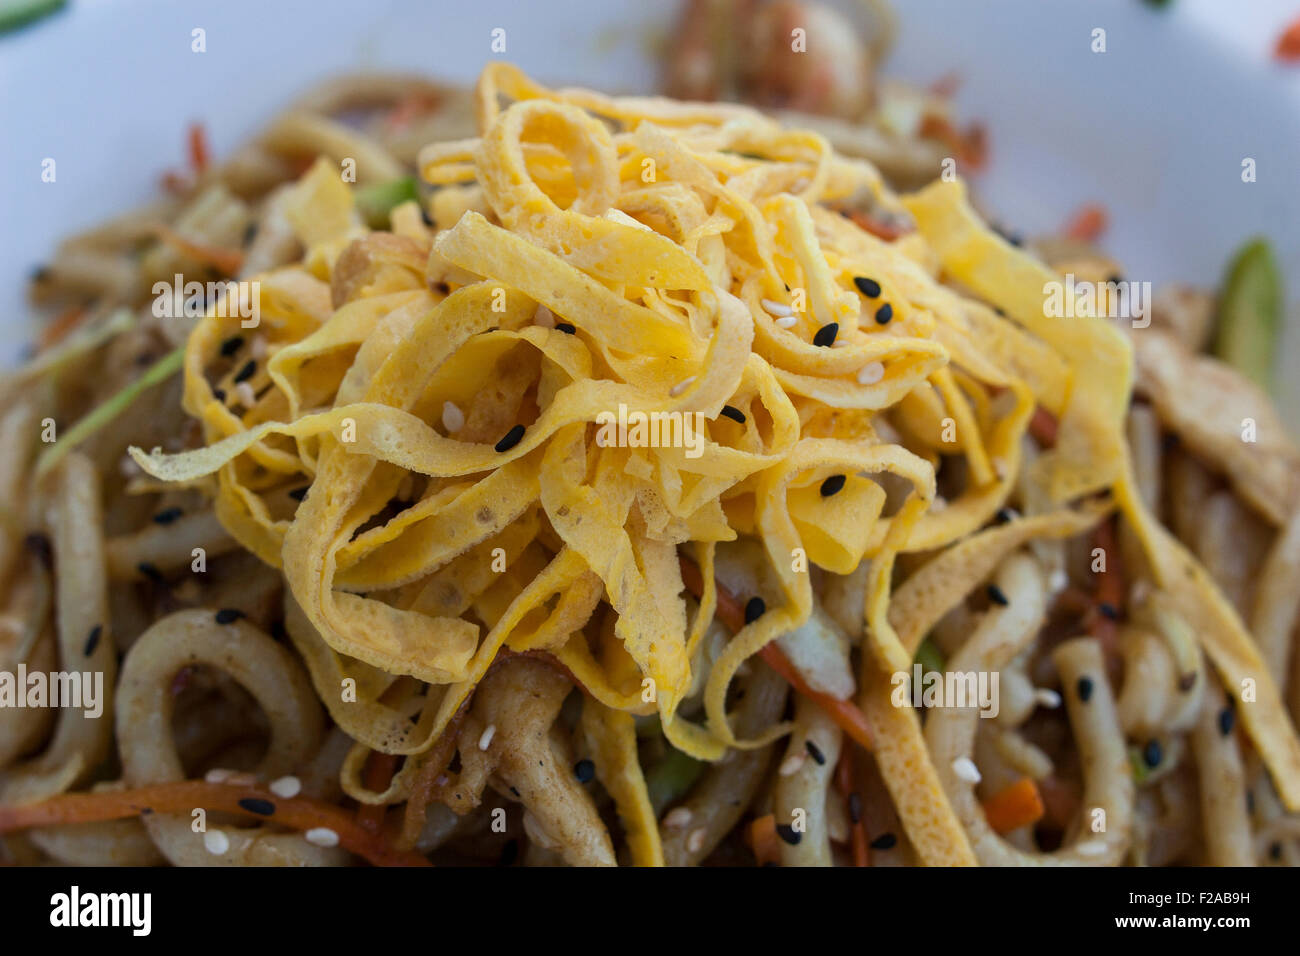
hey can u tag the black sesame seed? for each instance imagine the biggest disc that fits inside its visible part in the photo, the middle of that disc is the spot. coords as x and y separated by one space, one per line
855 807
565 327
245 373
868 287
509 853
232 345
825 336
884 314
754 609
229 615
39 547
515 791
1005 515
996 596
584 770
167 515
1084 688
150 571
511 438
263 808
219 394
735 414
815 752
1226 720
92 641
1108 611
299 493
250 233
1152 753
832 485
886 841
789 834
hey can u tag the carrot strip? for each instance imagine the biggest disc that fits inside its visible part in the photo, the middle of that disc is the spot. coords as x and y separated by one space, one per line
1288 44
227 261
879 229
377 775
763 840
298 813
1013 807
62 325
198 142
1087 223
1043 426
844 712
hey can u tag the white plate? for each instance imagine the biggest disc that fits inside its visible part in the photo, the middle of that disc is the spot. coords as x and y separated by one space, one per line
1156 128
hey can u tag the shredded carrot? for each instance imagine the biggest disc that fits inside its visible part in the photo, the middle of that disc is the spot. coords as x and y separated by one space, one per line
1013 807
881 230
1288 44
298 813
62 325
227 261
763 840
844 712
1043 427
1088 223
376 777
408 108
198 142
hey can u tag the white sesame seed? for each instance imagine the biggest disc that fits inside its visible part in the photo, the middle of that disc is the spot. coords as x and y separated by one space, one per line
322 836
965 769
1046 697
776 308
1058 581
485 739
940 503
1140 591
257 348
787 322
678 818
216 842
453 419
681 386
695 842
1090 848
792 764
871 373
839 343
286 787
544 317
218 775
247 397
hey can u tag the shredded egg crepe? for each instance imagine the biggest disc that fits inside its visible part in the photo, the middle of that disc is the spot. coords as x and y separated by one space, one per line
439 390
